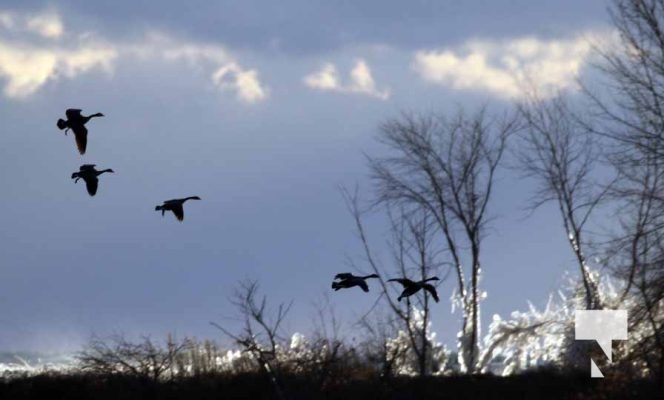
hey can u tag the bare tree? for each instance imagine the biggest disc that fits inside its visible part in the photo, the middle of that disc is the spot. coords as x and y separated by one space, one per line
633 116
634 68
638 256
630 113
560 153
442 170
117 355
261 333
413 253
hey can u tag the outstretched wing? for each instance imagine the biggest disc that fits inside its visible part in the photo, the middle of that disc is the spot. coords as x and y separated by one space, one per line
403 281
81 136
87 167
432 290
91 184
73 114
361 283
343 275
178 211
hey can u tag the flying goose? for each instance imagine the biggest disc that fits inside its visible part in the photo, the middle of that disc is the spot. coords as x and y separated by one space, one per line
76 122
89 174
348 280
411 287
175 205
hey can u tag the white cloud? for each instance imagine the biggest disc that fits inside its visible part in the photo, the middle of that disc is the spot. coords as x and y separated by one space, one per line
325 79
227 74
502 68
361 81
26 68
244 82
47 25
27 64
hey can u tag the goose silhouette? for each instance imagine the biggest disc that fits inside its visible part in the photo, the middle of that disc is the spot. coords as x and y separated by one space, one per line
89 174
412 287
348 280
175 205
76 122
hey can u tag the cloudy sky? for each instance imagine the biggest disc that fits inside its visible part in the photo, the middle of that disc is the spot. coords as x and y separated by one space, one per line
262 109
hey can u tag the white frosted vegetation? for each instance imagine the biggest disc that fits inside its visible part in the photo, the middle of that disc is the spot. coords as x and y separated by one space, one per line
405 360
537 338
528 339
14 365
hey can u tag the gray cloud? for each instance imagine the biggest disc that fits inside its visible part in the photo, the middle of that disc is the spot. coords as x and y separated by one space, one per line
305 27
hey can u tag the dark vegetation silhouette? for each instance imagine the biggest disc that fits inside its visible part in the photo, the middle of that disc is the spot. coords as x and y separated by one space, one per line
144 359
534 385
347 280
76 122
89 174
411 287
261 335
175 205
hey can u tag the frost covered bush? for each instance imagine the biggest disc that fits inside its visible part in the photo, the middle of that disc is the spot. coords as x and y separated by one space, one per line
206 358
467 353
401 349
527 339
326 361
14 366
537 338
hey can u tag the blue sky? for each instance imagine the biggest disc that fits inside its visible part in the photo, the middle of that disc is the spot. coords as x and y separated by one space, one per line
263 109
